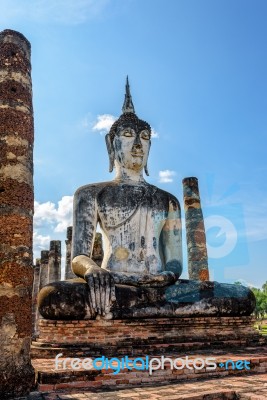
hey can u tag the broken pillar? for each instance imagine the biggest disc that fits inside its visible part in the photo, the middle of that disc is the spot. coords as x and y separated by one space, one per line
195 231
44 269
35 291
16 214
68 271
54 261
98 254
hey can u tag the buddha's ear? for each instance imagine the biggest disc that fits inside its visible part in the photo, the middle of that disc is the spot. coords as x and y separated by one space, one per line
111 153
145 167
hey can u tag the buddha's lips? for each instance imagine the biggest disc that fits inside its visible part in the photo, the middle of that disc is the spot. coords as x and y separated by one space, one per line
137 154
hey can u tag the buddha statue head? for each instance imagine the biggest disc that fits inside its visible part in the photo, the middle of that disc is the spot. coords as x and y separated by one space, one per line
128 141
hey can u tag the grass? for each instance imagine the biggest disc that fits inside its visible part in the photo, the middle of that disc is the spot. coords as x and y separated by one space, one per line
261 326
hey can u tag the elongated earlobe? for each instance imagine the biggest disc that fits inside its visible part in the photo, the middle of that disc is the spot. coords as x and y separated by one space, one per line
145 167
111 153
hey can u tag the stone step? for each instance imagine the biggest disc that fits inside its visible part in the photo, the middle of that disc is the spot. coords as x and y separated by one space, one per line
49 378
50 350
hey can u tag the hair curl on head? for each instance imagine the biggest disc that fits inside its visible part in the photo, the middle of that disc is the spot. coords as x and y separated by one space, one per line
128 117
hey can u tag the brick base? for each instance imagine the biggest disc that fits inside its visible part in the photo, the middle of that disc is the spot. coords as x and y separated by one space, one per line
144 336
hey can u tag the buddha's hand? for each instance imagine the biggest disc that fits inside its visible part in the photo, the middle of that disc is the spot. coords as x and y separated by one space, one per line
162 279
101 289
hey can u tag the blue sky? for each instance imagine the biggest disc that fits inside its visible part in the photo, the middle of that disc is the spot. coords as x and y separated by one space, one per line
197 71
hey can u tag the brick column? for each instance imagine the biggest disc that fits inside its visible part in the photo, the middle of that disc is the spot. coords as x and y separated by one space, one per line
195 232
44 269
35 291
68 271
54 261
16 212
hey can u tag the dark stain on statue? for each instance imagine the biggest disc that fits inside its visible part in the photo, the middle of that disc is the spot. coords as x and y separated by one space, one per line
154 243
117 145
143 242
132 246
176 231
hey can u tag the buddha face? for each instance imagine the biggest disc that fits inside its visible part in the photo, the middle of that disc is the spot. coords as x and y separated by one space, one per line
131 146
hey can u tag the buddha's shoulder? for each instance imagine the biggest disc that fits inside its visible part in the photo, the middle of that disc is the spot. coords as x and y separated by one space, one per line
92 188
163 194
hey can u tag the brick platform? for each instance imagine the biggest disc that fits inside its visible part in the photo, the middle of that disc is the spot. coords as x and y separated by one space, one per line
139 337
52 379
250 387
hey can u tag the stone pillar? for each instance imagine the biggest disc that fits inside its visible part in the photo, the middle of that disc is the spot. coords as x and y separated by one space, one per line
35 291
68 271
44 269
98 253
195 232
54 261
16 212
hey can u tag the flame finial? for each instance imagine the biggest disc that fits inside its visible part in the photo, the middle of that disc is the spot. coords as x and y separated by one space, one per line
128 106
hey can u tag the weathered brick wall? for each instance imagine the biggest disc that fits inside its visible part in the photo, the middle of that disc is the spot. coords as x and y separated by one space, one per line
50 378
16 212
116 337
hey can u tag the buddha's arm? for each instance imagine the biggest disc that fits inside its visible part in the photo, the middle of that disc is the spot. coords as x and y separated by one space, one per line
172 239
84 223
101 285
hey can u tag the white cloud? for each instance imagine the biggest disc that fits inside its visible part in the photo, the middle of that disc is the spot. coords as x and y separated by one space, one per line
50 223
154 134
166 176
67 12
59 217
40 242
103 123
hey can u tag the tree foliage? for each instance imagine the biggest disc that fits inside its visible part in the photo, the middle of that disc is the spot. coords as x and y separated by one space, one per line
261 300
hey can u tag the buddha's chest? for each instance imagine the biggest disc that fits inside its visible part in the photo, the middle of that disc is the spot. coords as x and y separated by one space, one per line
130 206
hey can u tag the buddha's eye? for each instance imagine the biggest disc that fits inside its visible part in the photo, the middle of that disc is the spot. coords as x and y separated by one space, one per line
128 132
145 135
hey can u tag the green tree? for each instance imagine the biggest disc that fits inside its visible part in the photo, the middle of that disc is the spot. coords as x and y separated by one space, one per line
261 301
264 287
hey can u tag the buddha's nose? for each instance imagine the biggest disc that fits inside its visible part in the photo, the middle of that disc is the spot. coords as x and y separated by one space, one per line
137 143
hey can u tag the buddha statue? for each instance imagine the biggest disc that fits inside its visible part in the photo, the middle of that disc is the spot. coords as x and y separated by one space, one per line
141 227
